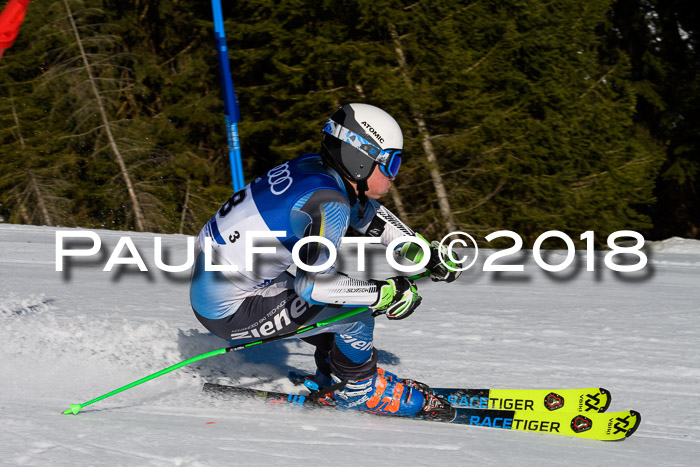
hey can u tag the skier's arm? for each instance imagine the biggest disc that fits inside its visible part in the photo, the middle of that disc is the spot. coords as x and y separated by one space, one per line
378 221
385 225
325 213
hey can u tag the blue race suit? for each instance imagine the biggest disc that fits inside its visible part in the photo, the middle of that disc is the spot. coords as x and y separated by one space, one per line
300 198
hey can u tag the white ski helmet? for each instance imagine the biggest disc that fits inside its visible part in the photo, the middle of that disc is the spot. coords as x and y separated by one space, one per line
358 137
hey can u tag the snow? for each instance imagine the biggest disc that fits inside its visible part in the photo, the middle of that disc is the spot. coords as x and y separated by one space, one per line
67 337
676 245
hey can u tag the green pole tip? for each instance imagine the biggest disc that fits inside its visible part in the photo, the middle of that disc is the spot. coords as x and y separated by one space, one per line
74 409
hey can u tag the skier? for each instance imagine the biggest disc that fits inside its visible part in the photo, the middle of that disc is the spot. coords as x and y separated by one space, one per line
319 195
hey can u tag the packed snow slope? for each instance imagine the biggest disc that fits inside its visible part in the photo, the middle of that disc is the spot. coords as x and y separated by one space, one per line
67 337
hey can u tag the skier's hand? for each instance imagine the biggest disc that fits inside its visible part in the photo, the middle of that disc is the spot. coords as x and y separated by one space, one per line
398 297
441 266
441 269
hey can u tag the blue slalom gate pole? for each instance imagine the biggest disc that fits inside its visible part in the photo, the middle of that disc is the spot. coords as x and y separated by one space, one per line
233 115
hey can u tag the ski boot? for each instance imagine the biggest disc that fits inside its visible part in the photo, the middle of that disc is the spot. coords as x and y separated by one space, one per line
435 408
385 393
320 395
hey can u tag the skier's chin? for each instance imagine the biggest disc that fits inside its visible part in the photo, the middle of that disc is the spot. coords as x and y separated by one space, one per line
379 194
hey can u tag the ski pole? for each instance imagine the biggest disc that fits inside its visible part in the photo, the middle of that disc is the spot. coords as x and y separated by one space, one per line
75 408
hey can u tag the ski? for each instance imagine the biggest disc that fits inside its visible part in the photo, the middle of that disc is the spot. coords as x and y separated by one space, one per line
611 426
567 400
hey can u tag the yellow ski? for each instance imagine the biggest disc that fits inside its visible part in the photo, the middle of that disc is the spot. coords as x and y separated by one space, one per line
588 400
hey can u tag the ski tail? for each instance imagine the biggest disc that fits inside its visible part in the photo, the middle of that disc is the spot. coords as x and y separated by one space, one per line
272 397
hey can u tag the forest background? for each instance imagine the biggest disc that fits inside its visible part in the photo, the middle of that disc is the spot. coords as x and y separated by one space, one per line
525 115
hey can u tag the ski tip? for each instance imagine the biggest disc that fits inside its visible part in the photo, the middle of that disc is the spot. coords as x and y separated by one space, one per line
629 431
608 396
638 421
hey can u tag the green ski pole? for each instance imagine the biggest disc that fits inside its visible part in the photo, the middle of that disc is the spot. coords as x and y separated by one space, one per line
75 408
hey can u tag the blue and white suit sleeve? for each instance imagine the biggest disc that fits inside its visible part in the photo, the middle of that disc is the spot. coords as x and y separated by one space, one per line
378 221
326 213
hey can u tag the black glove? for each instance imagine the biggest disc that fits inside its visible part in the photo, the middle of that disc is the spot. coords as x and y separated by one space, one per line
441 270
398 297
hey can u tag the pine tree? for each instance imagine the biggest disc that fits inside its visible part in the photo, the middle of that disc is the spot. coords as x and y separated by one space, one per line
530 124
33 185
662 41
534 132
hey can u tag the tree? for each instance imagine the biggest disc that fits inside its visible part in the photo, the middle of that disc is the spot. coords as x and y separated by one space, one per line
528 114
33 188
94 98
534 132
661 40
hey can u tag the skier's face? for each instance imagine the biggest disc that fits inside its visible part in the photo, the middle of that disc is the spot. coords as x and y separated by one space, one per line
378 184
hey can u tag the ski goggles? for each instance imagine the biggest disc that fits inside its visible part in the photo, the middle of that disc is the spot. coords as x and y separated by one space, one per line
389 160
